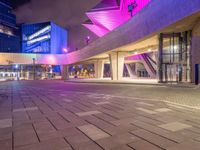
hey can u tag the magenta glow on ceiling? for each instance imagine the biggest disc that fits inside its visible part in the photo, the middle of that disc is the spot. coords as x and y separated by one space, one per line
107 19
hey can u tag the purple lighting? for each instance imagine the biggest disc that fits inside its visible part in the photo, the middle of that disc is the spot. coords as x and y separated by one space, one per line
88 37
106 19
98 30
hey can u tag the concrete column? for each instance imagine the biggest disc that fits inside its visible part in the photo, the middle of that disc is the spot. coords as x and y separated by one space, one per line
131 72
99 69
65 72
117 65
195 51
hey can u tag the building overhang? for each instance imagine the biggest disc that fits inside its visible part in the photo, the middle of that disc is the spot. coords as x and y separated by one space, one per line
159 16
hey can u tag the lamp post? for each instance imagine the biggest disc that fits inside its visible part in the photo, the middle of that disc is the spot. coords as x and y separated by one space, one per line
87 40
17 68
33 68
131 7
65 50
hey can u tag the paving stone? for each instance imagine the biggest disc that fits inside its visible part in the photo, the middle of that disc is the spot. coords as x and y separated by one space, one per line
102 103
87 146
162 110
25 109
23 125
188 145
25 137
67 100
60 123
68 132
153 138
5 114
144 145
146 110
197 139
121 147
159 131
54 144
117 141
87 113
6 144
5 123
175 126
105 117
98 122
5 133
56 121
148 120
187 134
144 103
43 127
93 132
125 128
78 139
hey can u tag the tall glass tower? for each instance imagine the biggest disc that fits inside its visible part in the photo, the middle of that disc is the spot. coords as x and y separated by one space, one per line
9 39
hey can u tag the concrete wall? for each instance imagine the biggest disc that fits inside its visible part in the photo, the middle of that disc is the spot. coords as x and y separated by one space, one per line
77 35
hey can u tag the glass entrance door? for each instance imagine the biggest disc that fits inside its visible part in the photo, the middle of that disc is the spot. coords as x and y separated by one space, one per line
174 57
173 73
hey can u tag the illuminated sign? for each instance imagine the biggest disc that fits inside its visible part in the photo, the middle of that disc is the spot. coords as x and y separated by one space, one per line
39 39
48 28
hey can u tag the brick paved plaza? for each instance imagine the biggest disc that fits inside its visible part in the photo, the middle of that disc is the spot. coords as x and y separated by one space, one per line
57 115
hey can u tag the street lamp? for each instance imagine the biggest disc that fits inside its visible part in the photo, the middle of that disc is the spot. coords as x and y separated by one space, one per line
65 50
17 68
33 68
131 7
87 40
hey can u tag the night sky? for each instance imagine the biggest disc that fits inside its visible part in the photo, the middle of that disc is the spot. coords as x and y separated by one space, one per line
66 13
17 3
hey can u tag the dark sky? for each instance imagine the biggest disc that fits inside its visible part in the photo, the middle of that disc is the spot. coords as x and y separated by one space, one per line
17 3
66 13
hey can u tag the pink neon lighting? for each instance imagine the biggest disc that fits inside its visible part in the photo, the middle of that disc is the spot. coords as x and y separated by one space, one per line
98 30
51 59
134 57
107 20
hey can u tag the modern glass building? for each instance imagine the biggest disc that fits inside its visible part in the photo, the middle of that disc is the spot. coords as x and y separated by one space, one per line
44 38
9 35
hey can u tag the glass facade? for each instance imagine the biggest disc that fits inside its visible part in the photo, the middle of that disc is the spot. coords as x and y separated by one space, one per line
44 38
174 57
9 37
29 72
